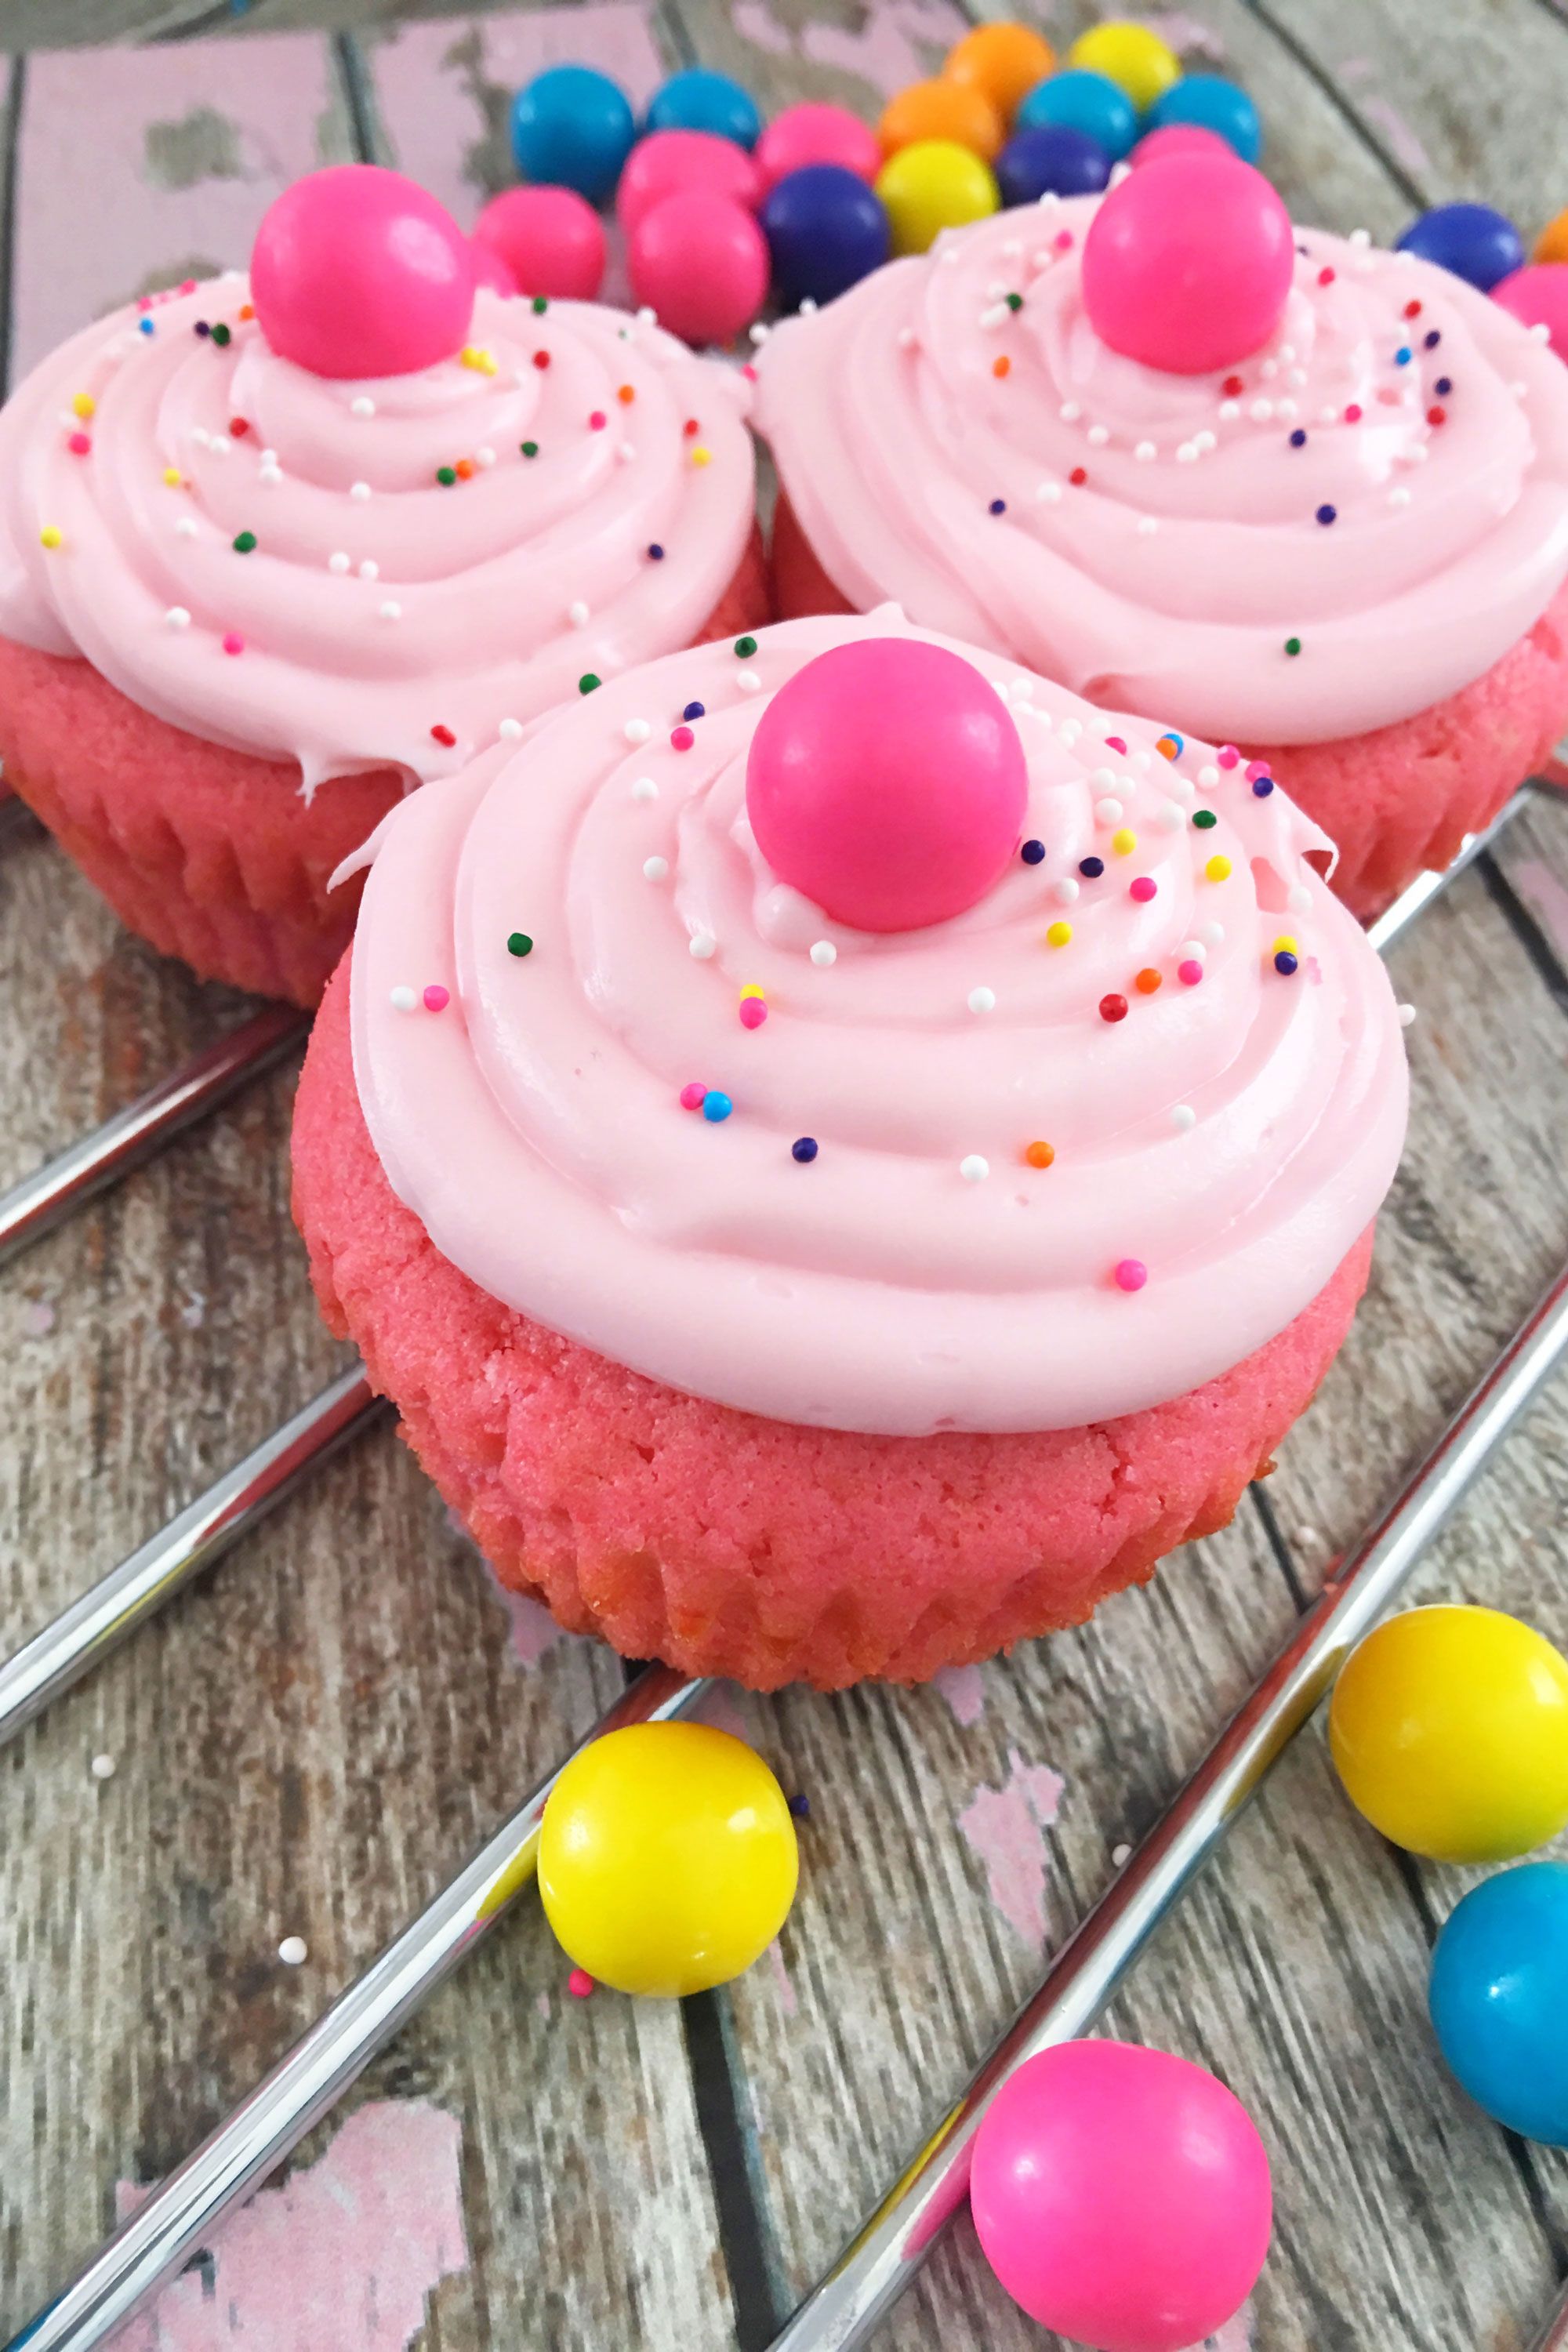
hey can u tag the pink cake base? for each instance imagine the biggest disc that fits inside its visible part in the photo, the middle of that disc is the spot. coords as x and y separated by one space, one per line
210 854
1395 799
729 1545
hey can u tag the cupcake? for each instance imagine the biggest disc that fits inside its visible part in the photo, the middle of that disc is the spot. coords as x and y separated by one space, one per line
266 564
1274 486
843 1154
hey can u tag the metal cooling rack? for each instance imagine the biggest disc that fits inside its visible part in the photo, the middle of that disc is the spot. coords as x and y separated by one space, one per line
884 2257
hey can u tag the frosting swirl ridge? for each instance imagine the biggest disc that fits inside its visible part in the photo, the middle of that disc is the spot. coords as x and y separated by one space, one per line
1230 1127
1346 528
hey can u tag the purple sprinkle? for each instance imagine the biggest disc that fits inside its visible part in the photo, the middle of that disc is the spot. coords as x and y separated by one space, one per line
1444 385
695 710
656 553
1297 438
998 505
1093 866
1328 514
801 1808
1432 340
1261 787
202 327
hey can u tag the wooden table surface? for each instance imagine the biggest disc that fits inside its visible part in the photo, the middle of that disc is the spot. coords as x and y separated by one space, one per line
306 1743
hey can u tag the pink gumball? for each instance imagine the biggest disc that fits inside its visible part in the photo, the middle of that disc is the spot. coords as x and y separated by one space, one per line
701 262
815 133
1121 2195
1179 139
550 240
684 163
357 271
1539 295
490 269
885 782
1187 263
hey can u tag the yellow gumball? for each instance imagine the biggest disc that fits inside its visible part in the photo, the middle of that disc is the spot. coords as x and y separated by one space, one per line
1449 1731
1132 56
667 1858
1552 245
930 186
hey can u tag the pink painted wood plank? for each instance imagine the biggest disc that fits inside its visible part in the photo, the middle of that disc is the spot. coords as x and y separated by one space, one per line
443 90
138 167
881 48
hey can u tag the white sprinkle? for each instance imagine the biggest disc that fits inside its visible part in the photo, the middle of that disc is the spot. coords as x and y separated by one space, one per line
1098 436
577 614
509 731
1261 411
1013 248
485 456
1191 950
983 1000
974 1171
1147 526
702 945
220 444
627 452
1287 351
1361 237
646 316
391 611
645 789
1229 410
1205 440
1287 409
1212 934
906 338
823 952
997 291
748 681
177 617
998 685
997 316
1145 452
1119 172
1417 453
1050 200
294 1951
1169 817
338 562
655 868
370 569
1183 1117
1108 811
1188 454
1268 368
636 731
1541 332
1119 1854
201 436
363 407
1069 412
403 1000
269 456
103 1768
269 476
1406 1015
1049 494
1297 378
1102 778
185 526
808 306
360 492
1299 898
761 330
1069 730
1065 891
1328 415
1399 496
1209 776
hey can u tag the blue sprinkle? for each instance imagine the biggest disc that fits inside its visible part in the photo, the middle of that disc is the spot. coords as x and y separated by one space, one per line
656 553
1432 340
1261 787
1403 356
801 1808
1298 439
1285 963
147 326
1444 385
1328 514
998 505
804 1147
1093 866
695 710
1032 852
715 1106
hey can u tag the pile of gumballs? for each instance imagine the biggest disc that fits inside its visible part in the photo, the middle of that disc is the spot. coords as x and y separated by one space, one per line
718 210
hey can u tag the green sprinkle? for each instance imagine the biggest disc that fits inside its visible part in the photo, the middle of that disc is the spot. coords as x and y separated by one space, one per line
1292 645
587 682
221 335
1014 301
745 648
541 304
1204 818
520 944
244 542
446 476
530 448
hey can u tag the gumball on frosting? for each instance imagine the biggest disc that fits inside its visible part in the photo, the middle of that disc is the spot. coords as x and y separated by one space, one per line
1187 264
886 782
357 271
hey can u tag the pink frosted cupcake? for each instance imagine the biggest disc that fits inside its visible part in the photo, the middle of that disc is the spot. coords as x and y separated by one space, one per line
1340 543
245 603
846 1259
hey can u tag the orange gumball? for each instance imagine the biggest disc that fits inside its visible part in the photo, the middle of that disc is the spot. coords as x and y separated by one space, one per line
1003 62
1552 245
941 110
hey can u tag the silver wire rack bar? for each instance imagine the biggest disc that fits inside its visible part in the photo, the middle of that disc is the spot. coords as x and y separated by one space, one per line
1428 886
882 2260
86 1632
54 1191
307 2083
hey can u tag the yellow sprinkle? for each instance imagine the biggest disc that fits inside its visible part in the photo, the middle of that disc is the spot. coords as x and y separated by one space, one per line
1124 841
174 476
751 989
1060 934
1218 868
51 535
1285 945
83 405
702 457
469 355
488 365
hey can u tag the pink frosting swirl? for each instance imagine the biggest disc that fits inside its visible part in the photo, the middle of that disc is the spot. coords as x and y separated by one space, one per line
1234 1132
377 604
1163 541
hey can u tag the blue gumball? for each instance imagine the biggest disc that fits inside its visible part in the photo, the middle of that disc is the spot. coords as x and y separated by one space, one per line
699 100
1471 240
1090 102
1499 1997
1051 156
572 128
825 230
1213 104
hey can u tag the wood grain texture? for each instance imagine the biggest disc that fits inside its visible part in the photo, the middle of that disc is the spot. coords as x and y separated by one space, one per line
309 1742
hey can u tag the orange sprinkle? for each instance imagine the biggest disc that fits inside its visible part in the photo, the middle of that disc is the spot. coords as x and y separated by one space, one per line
1039 1155
464 469
247 310
1147 982
625 394
1002 366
